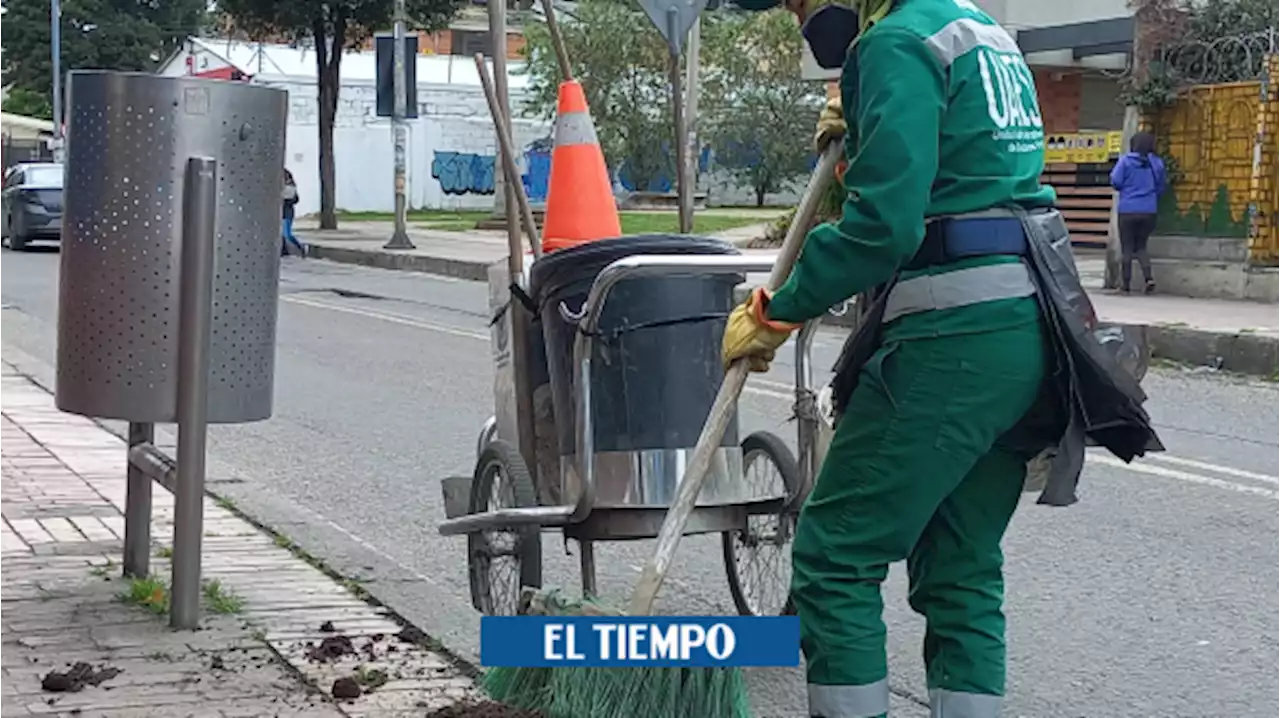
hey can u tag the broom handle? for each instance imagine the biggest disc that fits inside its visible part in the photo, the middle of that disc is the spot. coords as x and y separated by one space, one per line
511 172
673 526
557 41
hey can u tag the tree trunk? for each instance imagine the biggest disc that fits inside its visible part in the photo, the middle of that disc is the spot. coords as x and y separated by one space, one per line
328 59
761 190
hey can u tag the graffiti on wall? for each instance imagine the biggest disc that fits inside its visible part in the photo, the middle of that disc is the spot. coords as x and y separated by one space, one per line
537 169
471 173
463 172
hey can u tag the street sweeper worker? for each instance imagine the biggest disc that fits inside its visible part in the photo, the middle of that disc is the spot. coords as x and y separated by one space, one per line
944 146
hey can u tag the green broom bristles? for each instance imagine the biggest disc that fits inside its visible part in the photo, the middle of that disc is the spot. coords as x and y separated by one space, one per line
614 692
574 692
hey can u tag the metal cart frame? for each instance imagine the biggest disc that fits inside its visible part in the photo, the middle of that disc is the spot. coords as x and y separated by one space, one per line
578 516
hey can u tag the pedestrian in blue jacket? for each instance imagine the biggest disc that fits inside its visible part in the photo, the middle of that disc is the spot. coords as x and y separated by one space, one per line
1139 177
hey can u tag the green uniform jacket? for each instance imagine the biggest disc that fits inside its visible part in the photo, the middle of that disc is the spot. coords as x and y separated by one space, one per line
943 120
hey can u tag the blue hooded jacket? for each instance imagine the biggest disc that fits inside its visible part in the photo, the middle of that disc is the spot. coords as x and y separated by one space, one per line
1140 180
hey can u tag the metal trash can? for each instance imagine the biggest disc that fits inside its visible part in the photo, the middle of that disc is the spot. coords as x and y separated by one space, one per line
656 370
129 138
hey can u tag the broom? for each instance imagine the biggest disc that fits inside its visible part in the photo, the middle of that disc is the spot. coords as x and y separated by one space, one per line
576 692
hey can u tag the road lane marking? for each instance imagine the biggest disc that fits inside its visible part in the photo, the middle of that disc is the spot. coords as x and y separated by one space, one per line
388 317
405 320
1214 468
786 392
1182 476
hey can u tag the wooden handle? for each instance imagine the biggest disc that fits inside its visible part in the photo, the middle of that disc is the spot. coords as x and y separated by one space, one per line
557 41
695 475
510 171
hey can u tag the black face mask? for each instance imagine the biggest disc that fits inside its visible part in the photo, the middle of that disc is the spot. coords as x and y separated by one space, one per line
829 32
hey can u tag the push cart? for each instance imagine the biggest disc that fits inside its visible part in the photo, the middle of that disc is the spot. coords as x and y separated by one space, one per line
622 390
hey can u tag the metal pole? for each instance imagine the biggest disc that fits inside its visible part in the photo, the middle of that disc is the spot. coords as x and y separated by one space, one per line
692 87
502 200
507 152
55 48
521 323
195 320
400 237
137 507
677 110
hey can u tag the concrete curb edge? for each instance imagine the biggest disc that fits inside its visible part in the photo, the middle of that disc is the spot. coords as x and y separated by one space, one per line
378 259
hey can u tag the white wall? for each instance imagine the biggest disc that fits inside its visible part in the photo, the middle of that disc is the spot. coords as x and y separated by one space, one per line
1017 15
1026 14
451 119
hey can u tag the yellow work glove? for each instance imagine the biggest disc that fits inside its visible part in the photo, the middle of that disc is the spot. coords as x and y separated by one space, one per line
831 126
749 333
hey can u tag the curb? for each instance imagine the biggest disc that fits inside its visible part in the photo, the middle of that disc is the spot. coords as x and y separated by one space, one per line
1241 352
457 268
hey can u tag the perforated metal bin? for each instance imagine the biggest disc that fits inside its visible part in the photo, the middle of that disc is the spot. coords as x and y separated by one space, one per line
128 140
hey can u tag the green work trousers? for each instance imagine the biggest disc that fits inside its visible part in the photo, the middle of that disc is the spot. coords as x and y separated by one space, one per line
917 470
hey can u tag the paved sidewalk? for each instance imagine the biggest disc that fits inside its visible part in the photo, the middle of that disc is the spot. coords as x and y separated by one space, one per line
277 636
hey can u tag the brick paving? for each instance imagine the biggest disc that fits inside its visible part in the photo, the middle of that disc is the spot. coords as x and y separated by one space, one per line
61 600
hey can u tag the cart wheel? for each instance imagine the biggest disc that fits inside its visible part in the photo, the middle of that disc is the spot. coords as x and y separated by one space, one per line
488 433
502 562
758 560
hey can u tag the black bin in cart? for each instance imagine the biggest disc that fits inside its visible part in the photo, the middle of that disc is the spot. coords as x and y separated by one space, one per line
655 368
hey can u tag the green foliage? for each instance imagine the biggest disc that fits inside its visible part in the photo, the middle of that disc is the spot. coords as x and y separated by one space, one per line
321 21
623 65
97 34
330 26
1195 29
760 113
29 103
1159 90
1227 18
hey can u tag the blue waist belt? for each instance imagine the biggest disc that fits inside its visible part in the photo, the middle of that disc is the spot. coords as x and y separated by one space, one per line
947 240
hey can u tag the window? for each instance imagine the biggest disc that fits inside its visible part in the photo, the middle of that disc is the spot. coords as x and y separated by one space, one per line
13 179
469 42
47 176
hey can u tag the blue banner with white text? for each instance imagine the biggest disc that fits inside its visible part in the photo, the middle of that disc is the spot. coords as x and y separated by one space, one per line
639 641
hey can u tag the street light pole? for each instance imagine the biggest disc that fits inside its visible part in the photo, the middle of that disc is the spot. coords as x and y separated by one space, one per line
55 43
692 87
400 237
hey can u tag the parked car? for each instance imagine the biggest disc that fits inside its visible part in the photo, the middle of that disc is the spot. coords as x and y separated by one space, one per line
31 204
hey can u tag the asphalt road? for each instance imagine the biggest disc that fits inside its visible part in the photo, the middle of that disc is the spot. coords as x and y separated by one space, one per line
1155 596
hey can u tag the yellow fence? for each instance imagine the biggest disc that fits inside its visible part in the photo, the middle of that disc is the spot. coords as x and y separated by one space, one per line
1220 142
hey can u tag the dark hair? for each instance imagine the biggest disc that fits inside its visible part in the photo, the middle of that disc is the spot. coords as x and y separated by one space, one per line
288 176
1144 143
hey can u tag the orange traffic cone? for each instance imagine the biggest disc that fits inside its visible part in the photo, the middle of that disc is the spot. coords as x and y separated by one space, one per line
580 204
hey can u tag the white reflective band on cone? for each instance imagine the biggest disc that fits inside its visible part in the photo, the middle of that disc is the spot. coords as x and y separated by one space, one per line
575 128
865 701
957 289
953 704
